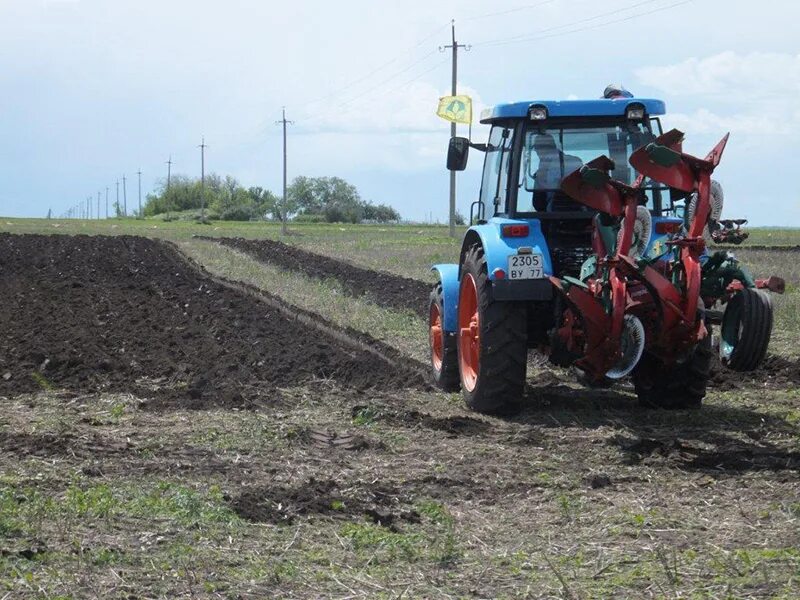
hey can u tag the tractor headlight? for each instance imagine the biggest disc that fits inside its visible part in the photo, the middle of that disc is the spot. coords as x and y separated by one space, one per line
635 112
537 112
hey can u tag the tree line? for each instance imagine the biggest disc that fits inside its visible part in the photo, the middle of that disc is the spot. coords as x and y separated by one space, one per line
314 199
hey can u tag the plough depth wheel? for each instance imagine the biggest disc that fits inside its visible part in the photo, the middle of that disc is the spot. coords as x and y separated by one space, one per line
746 330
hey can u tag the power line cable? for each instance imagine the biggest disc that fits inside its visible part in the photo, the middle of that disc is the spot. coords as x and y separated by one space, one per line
500 41
389 79
374 71
589 28
501 13
405 84
263 129
371 91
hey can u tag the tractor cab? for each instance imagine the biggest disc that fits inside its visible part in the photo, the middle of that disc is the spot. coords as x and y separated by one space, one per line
532 146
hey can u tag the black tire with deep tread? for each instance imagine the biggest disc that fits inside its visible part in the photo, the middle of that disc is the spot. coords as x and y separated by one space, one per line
504 349
447 377
756 329
677 386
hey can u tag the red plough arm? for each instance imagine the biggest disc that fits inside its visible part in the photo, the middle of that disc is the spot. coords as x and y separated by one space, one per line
592 186
664 161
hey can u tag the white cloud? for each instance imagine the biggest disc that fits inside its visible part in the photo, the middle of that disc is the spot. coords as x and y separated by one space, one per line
753 96
754 76
749 95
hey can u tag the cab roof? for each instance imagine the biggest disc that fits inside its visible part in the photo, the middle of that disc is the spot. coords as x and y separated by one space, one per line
614 107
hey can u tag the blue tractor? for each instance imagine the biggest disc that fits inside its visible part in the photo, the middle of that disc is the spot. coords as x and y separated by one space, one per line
499 301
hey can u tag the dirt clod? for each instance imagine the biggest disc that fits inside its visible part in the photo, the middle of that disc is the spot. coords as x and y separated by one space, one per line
598 480
285 503
774 372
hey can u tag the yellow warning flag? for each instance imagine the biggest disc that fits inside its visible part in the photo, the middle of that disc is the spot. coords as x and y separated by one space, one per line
457 109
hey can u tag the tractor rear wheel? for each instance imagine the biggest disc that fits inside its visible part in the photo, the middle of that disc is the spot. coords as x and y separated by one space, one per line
746 330
444 355
492 341
676 386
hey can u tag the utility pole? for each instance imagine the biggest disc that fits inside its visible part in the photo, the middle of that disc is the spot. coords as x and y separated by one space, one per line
139 173
169 170
97 216
124 197
284 216
88 207
106 202
116 210
454 46
203 147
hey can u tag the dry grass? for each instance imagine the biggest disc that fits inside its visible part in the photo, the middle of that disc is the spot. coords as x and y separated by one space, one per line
131 502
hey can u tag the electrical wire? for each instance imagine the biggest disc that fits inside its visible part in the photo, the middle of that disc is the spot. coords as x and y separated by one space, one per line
374 93
393 77
591 27
501 41
508 11
378 69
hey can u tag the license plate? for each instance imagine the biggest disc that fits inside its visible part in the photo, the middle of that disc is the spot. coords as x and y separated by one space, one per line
525 266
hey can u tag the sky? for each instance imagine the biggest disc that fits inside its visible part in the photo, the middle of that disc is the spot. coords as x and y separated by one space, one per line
92 90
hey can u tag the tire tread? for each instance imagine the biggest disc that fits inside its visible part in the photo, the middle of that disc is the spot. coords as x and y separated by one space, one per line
504 351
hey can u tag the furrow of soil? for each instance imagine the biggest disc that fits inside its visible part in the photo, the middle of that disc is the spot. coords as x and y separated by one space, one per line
354 338
385 289
130 314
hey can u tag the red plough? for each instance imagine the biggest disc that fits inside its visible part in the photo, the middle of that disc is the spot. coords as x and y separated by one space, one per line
627 305
596 326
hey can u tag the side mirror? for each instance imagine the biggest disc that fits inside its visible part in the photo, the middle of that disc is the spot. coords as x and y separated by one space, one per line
457 154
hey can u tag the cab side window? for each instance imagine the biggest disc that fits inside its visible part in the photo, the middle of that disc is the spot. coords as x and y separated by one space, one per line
496 166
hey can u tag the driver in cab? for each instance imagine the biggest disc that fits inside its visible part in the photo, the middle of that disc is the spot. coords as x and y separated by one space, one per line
553 165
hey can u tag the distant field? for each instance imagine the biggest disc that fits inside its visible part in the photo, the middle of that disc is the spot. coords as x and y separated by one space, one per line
407 250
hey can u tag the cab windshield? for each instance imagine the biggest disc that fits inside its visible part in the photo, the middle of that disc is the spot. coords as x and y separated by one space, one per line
551 153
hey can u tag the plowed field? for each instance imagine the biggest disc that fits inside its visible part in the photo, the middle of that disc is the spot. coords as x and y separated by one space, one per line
131 314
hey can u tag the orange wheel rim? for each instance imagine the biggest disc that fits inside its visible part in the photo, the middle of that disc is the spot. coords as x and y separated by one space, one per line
436 336
468 332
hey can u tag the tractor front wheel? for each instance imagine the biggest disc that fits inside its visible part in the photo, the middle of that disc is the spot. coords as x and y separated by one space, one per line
444 356
492 341
746 330
676 386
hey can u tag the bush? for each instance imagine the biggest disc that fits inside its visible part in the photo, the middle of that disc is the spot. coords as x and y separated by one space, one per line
309 218
244 212
342 213
380 213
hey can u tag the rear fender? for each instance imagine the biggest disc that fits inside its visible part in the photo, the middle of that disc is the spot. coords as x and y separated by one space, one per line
497 249
448 276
